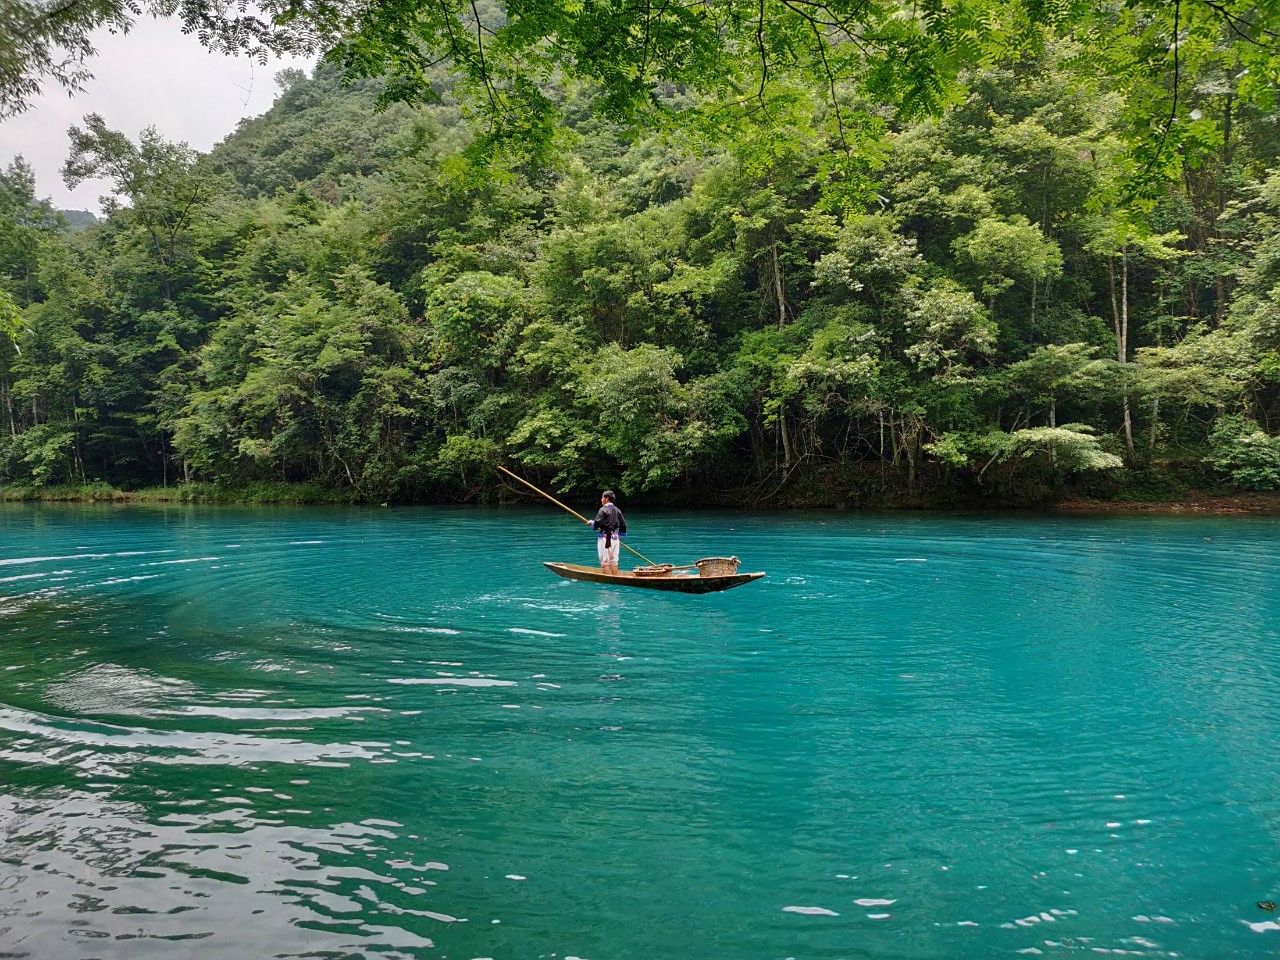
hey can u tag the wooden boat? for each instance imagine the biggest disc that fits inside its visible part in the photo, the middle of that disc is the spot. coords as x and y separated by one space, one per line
680 583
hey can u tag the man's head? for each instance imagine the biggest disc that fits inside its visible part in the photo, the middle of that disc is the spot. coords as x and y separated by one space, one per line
606 497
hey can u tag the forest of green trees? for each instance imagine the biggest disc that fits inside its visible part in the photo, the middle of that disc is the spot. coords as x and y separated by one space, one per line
1000 299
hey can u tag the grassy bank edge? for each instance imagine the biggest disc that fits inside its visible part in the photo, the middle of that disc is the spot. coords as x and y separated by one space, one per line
257 493
1181 502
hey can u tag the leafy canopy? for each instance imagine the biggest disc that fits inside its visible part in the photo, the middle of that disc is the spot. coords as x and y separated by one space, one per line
719 60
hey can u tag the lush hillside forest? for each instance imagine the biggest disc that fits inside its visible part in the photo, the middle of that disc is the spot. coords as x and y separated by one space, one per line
998 300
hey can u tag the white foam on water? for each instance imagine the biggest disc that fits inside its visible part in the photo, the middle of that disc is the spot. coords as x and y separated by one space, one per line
515 876
410 865
166 563
264 713
1262 927
874 902
11 561
442 917
453 681
879 916
533 633
806 911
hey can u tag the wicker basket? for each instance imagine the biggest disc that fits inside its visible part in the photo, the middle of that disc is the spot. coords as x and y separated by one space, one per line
717 566
657 570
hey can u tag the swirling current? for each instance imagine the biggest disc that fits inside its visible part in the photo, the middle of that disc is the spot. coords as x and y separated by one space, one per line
241 733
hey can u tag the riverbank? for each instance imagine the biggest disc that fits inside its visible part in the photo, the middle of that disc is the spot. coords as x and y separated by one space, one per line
258 493
1185 501
1198 503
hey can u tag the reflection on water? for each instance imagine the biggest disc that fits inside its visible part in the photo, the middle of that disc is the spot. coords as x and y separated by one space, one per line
330 733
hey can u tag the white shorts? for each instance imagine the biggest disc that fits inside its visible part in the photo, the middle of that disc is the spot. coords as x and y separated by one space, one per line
608 555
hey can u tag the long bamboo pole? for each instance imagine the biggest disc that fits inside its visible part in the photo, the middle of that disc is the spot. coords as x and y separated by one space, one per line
521 479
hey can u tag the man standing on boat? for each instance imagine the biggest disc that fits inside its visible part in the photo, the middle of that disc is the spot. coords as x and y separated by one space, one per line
609 526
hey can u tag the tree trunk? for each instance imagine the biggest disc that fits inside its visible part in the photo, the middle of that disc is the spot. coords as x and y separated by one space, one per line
75 437
911 447
1124 305
8 406
778 293
911 466
1120 317
1221 282
1115 302
1053 451
1124 341
1155 402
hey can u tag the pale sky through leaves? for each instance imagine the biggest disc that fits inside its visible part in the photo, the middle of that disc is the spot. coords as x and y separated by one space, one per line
154 76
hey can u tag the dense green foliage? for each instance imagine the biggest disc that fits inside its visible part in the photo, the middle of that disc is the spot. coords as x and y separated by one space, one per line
702 64
977 303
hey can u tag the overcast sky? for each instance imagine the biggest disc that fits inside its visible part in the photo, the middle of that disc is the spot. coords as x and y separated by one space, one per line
154 76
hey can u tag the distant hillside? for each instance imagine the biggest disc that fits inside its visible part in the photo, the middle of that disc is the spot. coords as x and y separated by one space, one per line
323 133
78 220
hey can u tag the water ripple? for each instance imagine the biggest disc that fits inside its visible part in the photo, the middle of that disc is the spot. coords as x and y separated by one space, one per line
354 733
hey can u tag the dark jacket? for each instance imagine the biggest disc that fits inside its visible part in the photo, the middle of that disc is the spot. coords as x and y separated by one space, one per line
608 522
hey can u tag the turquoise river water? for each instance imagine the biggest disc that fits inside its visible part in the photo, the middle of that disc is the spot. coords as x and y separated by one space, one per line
236 734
